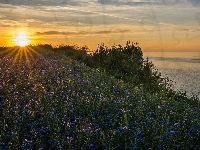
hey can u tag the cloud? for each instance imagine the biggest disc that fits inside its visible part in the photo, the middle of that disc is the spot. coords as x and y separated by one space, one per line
80 32
183 29
44 2
195 3
129 2
86 2
197 16
29 3
148 2
103 2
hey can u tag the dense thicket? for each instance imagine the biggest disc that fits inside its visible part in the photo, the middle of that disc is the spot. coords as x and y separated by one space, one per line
126 63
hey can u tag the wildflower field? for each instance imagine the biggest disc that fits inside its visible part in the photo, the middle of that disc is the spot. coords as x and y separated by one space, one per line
50 101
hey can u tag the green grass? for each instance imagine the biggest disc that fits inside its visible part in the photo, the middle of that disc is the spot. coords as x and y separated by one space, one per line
51 101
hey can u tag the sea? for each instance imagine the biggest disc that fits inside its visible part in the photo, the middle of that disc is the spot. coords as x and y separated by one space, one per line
182 68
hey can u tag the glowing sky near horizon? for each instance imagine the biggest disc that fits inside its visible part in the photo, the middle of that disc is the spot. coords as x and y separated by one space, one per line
156 24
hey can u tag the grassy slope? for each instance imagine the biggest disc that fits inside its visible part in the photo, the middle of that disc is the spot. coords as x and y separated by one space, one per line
56 102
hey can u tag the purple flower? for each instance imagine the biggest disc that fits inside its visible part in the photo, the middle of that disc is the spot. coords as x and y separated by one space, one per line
176 124
70 138
28 141
125 128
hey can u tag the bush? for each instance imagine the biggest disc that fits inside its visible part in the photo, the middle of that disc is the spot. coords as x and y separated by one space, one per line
125 63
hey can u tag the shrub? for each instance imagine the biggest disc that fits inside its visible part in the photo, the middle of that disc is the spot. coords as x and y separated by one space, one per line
125 63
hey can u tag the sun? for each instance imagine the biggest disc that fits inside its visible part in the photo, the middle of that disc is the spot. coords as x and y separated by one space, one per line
21 39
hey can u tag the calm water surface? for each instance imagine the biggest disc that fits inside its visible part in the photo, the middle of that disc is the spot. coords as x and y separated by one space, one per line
181 67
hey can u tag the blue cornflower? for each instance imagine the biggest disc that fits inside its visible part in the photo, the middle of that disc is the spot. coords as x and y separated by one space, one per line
138 132
133 124
144 124
171 122
172 132
150 119
105 124
4 146
49 141
107 117
91 145
73 123
176 146
176 124
23 147
134 147
138 138
188 135
1 98
167 108
159 147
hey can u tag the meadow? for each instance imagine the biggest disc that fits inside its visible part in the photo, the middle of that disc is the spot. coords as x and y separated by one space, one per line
63 98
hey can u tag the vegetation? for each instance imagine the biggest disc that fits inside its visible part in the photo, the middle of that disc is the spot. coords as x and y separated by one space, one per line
125 63
49 100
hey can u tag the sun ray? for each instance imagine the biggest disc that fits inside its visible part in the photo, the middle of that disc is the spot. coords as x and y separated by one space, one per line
30 53
27 58
5 50
20 59
34 51
12 54
7 53
39 54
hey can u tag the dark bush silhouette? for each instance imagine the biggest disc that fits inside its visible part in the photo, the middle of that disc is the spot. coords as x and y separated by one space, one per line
126 63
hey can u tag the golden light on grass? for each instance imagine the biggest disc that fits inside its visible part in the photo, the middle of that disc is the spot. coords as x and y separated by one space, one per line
21 39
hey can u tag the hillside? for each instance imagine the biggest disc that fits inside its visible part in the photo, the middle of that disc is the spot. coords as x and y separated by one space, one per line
50 100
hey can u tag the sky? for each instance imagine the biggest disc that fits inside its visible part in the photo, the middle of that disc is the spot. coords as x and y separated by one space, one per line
157 25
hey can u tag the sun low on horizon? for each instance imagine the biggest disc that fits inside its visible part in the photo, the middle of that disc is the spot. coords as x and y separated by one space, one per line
21 39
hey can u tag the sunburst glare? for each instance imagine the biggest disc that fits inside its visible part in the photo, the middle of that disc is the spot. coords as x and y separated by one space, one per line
21 39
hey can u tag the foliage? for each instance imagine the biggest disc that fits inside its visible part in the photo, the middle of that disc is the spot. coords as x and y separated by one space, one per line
50 101
125 63
72 51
